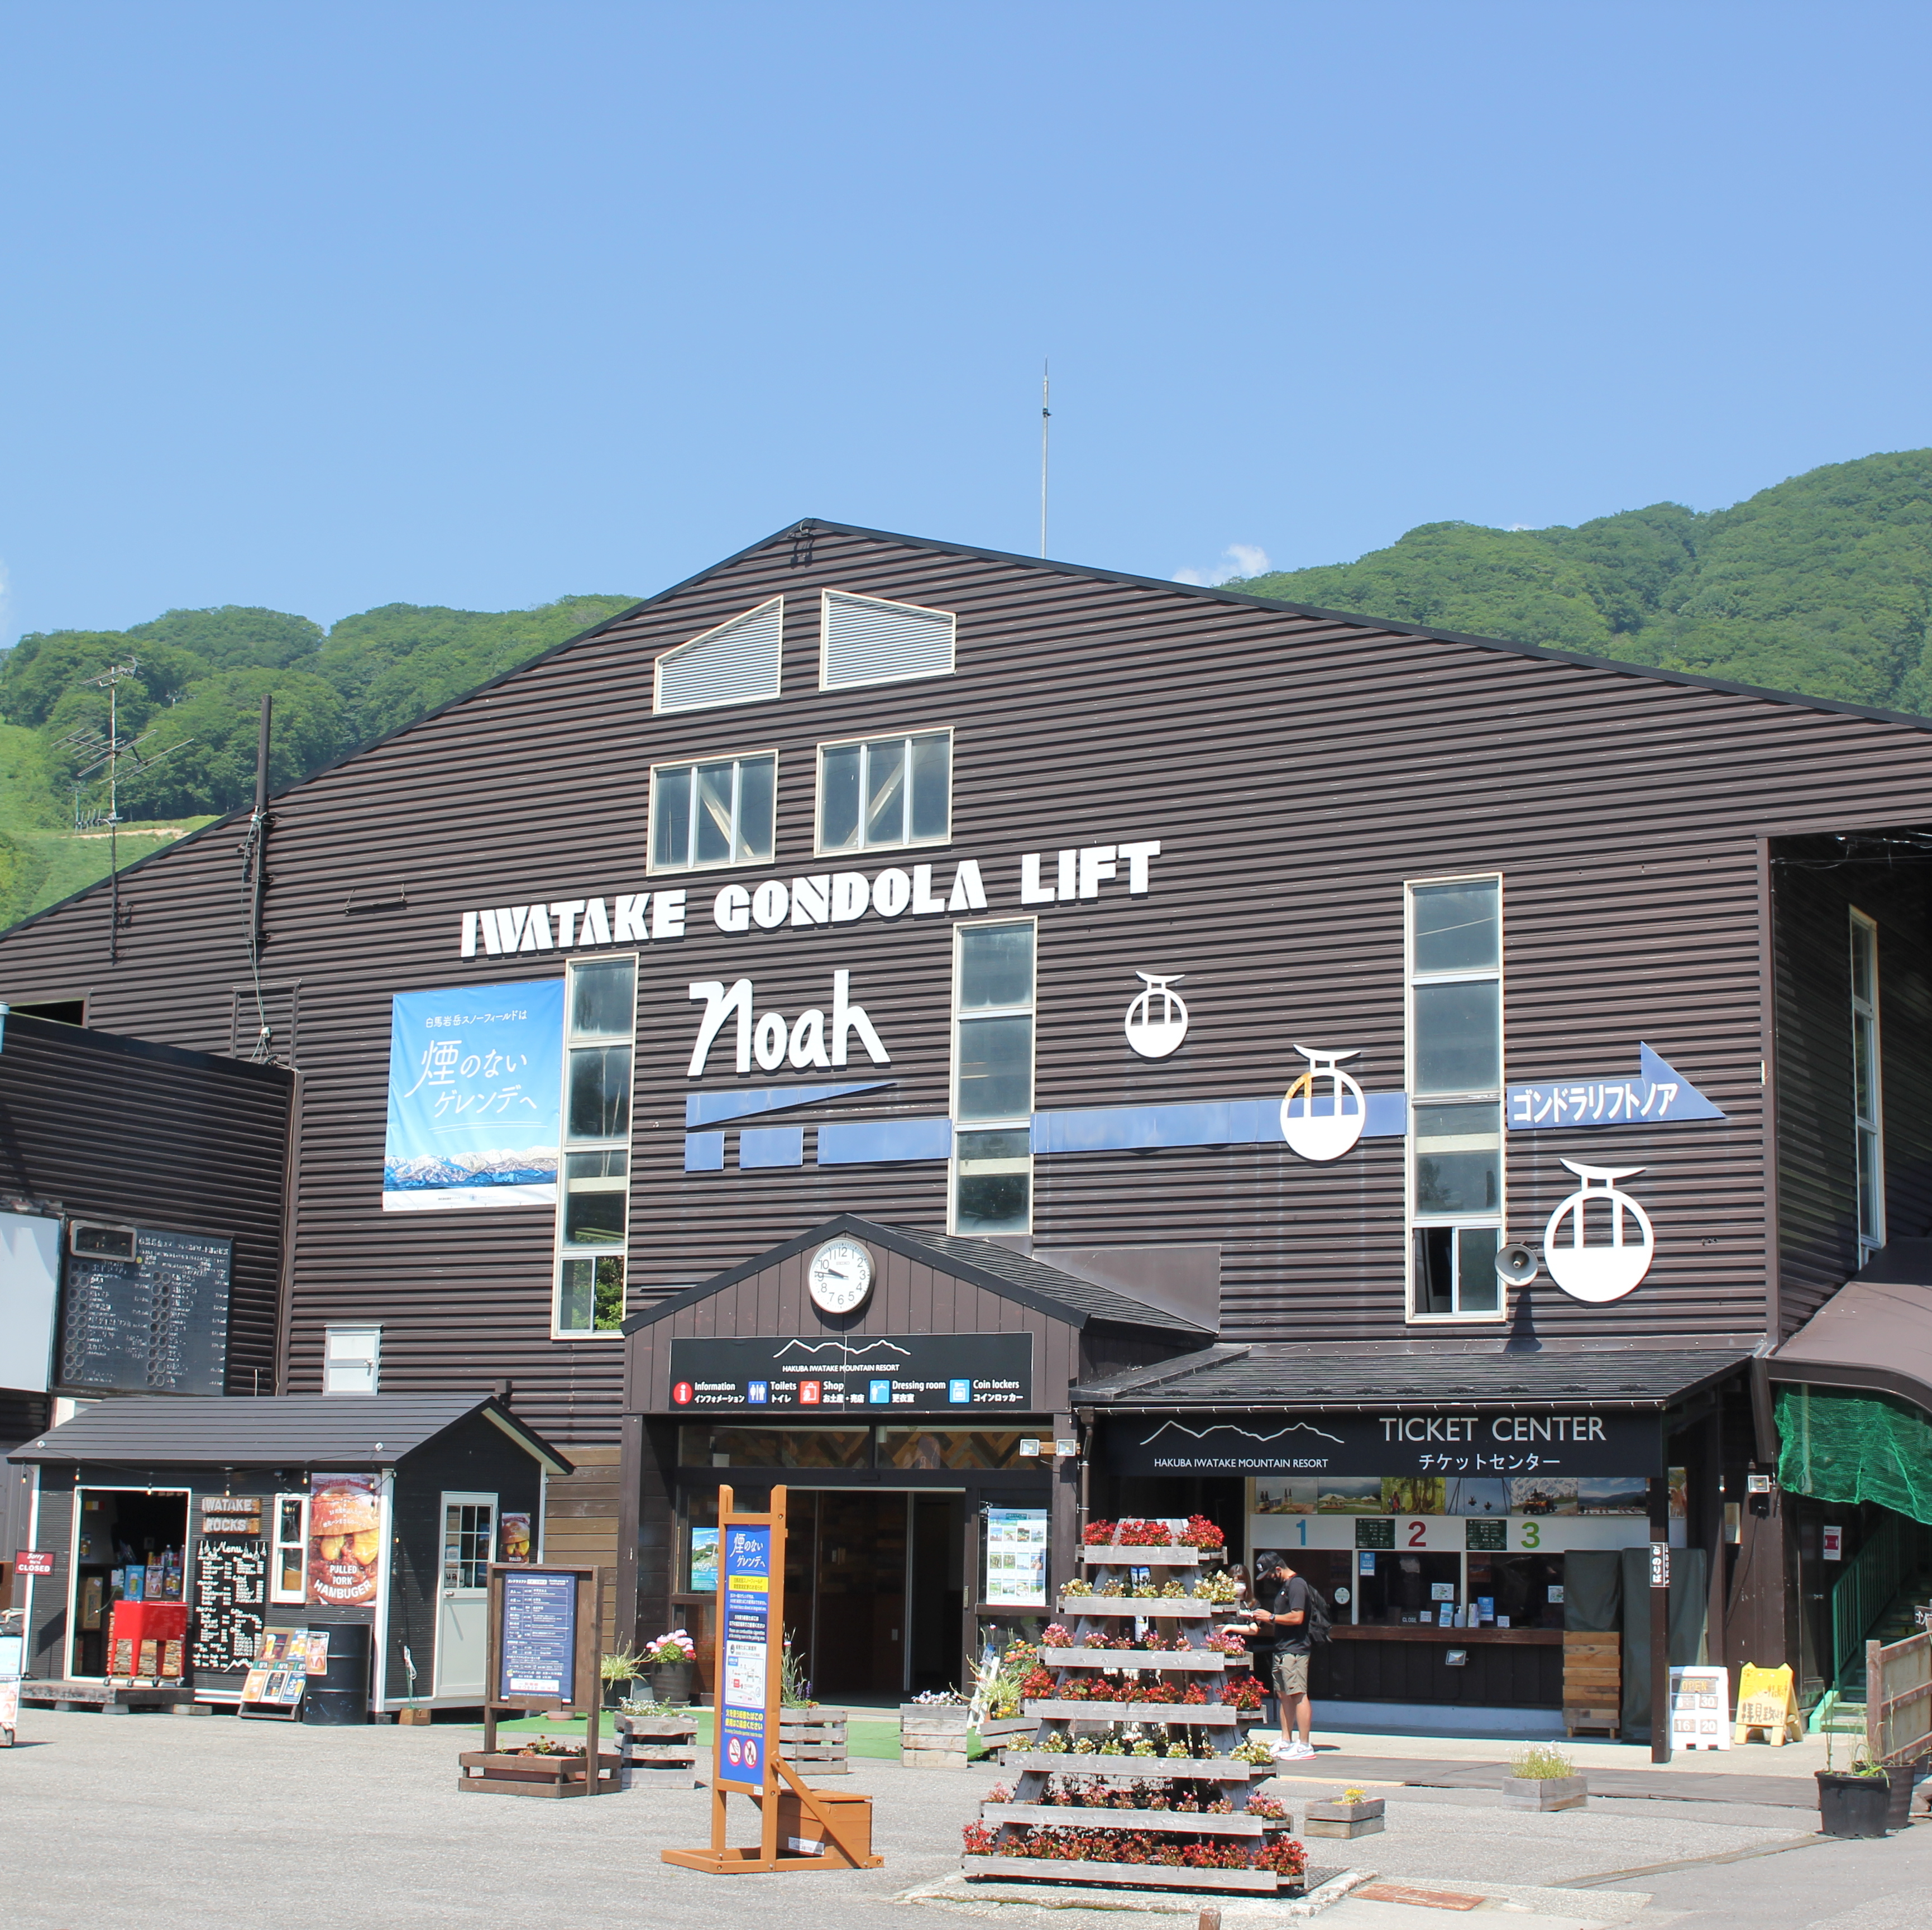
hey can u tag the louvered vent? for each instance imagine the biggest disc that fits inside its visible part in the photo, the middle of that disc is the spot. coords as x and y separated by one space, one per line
868 640
735 663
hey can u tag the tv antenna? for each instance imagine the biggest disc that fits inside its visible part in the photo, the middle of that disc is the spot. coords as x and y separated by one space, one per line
1046 417
107 753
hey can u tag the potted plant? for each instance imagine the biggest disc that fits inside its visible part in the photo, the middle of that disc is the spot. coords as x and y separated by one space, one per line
1857 1801
618 1671
1352 1814
1544 1777
669 1660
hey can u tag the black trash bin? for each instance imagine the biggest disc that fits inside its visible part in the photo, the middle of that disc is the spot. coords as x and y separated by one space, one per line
341 1697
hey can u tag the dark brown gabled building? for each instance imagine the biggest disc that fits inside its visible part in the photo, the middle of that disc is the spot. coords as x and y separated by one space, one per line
1276 971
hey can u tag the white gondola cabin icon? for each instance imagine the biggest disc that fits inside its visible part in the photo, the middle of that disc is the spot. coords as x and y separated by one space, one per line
1318 1124
1154 1036
1598 1273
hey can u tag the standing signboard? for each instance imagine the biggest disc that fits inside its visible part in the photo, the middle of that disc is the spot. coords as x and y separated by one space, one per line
542 1655
800 1828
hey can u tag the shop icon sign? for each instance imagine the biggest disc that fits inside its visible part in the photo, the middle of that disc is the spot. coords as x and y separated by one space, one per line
1598 1274
809 1393
1316 1124
1155 1030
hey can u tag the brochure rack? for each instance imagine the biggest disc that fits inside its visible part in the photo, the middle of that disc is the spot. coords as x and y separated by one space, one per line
1227 1850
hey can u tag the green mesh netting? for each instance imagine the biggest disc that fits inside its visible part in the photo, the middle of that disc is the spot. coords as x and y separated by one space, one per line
1855 1447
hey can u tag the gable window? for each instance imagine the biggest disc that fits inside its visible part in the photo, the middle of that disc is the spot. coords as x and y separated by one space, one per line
867 640
738 662
1868 1096
593 1193
719 812
992 1077
1455 1078
881 792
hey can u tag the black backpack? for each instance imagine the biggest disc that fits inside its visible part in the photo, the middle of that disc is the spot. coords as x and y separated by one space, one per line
1317 1622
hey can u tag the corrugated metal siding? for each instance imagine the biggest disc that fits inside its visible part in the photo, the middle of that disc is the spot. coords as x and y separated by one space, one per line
95 1126
1817 1166
1296 768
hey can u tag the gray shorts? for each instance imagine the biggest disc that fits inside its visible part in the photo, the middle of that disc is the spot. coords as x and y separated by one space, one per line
1291 1674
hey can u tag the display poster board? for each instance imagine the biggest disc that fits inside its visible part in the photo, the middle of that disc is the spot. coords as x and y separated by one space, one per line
345 1539
156 1323
283 1665
1016 1557
475 1096
536 1650
747 1667
1700 1709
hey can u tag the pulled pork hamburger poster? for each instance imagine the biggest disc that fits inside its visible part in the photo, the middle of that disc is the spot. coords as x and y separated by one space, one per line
345 1538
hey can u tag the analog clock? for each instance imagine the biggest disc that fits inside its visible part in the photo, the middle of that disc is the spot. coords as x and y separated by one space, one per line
841 1276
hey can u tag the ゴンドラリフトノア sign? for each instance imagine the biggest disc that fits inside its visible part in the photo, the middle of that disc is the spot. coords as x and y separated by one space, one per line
905 1373
745 1744
1461 1441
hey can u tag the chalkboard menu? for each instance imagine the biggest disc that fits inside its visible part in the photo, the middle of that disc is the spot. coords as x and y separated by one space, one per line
538 1656
231 1582
158 1323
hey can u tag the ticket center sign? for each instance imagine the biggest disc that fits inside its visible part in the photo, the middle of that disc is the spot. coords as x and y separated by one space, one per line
744 1699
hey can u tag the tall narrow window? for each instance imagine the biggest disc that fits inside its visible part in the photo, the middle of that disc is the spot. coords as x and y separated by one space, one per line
288 1578
593 1194
1867 1095
1455 1087
886 791
992 1077
718 813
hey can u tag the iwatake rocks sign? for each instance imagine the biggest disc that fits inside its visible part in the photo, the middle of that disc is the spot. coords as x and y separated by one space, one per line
1486 1441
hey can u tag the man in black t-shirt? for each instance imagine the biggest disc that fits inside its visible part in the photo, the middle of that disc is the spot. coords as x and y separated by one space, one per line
1283 1626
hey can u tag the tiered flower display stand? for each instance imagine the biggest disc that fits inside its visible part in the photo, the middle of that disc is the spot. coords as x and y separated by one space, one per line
1071 1787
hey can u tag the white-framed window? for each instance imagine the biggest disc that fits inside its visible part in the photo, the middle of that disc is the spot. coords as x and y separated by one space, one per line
878 794
738 662
719 811
288 1553
1867 1088
870 640
352 1360
993 980
593 1192
1453 934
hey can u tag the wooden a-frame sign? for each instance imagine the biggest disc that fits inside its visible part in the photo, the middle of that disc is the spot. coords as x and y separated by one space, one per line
745 1755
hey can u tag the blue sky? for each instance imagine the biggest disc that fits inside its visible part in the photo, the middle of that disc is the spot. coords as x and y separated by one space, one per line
326 307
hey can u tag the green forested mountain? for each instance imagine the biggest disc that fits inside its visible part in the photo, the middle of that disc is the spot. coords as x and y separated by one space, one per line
1822 584
198 688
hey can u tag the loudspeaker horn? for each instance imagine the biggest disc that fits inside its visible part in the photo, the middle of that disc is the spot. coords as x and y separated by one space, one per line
1517 1265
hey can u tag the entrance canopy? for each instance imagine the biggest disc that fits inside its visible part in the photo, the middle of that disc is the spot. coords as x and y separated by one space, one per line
1875 1333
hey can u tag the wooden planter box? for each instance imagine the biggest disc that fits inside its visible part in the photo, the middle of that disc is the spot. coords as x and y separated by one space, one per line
815 1741
1140 1876
932 1738
1593 1682
1207 1715
1344 1819
1545 1792
659 1751
1210 1661
1000 1733
1142 1558
1057 1815
498 1774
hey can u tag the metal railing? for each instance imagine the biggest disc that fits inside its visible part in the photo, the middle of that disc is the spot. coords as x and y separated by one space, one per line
1898 1700
1865 1590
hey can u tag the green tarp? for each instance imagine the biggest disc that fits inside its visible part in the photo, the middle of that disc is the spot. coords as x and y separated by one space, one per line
1855 1447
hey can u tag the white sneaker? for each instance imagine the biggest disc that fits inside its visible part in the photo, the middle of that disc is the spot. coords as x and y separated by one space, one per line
1296 1752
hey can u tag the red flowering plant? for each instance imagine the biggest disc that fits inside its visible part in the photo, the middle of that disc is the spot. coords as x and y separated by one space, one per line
1243 1692
1037 1681
1144 1535
982 1840
1055 1635
1194 1694
1062 1843
1100 1535
1156 1691
1200 1532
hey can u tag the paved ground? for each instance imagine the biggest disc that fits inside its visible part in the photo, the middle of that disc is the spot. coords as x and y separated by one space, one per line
210 1822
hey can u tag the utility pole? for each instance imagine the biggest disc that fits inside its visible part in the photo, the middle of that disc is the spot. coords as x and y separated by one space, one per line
111 680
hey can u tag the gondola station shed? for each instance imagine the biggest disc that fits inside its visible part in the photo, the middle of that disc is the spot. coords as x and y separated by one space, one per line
986 1042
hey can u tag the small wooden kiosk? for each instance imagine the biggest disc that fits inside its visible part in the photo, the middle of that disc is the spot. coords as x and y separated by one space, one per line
801 1828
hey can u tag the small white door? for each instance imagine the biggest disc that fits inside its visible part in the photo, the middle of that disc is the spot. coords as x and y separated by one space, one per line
462 1628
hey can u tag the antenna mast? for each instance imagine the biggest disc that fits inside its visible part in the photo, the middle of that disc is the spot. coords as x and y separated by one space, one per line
111 680
1045 416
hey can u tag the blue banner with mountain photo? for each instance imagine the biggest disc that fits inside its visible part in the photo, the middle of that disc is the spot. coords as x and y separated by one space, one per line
476 1098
